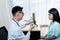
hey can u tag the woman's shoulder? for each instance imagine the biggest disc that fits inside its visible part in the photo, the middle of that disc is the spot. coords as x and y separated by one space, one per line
56 23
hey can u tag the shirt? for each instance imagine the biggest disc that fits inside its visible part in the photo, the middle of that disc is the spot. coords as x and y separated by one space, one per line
54 29
15 31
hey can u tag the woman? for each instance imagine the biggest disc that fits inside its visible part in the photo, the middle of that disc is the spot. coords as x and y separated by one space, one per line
54 26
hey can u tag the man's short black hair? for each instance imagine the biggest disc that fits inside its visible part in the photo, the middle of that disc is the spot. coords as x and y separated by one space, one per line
15 9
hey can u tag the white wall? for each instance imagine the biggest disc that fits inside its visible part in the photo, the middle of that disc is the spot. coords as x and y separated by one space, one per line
36 6
4 13
40 7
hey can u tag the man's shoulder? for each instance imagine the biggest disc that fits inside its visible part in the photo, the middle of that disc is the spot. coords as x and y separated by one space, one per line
12 23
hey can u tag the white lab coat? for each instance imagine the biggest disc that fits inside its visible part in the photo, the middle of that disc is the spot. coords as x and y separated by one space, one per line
15 32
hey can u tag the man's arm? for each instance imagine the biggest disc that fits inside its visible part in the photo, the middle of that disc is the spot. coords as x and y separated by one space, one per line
27 37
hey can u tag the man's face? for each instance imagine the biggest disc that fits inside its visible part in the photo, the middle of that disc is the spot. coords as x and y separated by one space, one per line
20 15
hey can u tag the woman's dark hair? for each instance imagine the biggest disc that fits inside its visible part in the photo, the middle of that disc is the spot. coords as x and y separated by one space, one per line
55 14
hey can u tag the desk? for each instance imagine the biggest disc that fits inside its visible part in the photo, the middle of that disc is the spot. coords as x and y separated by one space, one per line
36 33
44 29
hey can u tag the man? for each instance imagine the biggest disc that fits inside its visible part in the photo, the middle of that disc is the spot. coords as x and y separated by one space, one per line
14 29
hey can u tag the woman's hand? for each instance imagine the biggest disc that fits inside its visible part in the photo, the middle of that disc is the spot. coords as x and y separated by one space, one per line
51 38
45 38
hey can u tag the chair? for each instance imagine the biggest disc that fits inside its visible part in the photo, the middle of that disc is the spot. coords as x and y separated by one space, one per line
3 33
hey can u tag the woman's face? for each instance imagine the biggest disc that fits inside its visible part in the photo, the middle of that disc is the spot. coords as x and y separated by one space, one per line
50 16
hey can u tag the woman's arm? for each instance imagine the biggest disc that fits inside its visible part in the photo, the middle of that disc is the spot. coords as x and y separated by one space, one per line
51 38
44 36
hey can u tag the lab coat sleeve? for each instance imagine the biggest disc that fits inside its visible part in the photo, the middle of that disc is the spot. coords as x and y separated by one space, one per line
22 25
21 36
27 36
24 37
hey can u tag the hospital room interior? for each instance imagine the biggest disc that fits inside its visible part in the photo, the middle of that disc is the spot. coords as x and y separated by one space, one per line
34 10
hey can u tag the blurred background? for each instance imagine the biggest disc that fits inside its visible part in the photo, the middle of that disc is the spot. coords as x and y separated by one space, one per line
39 7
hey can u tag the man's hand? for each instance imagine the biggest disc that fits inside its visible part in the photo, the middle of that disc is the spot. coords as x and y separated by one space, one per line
31 26
28 23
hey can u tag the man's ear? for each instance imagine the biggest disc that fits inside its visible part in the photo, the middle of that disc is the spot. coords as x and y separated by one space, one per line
17 14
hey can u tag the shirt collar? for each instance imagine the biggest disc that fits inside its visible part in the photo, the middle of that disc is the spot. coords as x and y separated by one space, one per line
15 20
